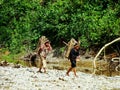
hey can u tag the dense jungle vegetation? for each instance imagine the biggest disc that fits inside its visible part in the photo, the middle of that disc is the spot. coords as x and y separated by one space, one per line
23 22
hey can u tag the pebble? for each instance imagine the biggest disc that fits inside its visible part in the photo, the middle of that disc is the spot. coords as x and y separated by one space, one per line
25 78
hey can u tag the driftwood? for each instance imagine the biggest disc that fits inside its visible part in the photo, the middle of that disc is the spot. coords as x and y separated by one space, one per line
106 45
69 45
41 41
4 63
65 43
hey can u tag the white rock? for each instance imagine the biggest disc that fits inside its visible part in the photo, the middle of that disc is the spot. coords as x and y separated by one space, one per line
28 79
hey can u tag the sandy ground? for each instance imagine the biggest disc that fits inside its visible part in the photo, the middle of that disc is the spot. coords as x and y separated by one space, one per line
25 78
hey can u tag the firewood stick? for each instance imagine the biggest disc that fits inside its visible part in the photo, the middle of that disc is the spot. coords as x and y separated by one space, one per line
65 43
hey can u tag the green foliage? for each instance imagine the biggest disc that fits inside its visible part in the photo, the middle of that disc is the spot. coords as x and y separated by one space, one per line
5 55
84 42
94 22
11 58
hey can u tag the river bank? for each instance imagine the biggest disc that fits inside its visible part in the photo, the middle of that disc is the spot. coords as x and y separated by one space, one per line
27 78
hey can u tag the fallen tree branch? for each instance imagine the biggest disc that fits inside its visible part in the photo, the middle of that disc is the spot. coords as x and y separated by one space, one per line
94 61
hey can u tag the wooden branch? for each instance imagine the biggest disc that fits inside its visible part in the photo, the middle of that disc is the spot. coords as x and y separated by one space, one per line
65 43
94 61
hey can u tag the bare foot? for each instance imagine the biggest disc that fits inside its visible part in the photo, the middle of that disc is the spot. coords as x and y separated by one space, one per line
67 74
39 71
76 76
45 72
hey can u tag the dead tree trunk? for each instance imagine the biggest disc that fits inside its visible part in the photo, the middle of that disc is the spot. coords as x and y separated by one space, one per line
106 45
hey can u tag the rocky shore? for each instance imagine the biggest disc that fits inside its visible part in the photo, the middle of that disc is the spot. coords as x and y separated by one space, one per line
25 78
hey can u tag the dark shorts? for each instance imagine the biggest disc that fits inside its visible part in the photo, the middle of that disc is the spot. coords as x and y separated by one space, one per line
73 63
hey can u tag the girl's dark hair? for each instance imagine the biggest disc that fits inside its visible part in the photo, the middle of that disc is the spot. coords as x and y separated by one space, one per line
75 44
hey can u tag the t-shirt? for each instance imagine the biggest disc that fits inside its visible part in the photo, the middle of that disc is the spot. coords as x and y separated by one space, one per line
73 54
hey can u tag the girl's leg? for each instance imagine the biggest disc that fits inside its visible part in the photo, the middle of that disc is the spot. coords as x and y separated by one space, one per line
68 71
74 70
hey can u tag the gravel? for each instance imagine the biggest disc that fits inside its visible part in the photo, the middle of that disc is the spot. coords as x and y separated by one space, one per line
25 78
